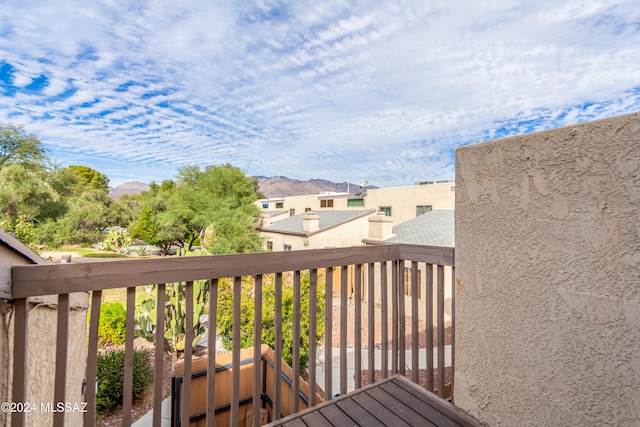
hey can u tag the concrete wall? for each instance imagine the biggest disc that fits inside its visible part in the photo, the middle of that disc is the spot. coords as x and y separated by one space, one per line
548 268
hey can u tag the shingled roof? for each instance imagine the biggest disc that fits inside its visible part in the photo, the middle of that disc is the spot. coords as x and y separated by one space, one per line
435 228
328 219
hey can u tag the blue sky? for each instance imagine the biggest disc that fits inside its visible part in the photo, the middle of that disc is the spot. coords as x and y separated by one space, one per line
381 91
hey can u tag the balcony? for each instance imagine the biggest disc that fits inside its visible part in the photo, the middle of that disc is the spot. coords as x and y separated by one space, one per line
402 280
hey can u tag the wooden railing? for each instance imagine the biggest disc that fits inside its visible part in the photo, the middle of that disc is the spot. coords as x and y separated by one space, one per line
381 268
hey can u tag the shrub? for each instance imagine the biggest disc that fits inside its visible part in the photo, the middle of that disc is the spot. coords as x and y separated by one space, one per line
247 304
111 378
112 327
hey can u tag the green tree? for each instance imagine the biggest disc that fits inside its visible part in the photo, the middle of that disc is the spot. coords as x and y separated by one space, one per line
18 146
25 191
90 177
148 208
216 205
87 217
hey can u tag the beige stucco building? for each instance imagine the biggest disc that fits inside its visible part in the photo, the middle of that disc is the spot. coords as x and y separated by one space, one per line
317 230
400 203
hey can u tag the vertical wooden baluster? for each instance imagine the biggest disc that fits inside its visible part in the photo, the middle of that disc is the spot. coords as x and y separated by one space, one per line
384 319
415 334
371 322
19 393
313 308
295 404
188 342
62 343
357 337
453 328
159 354
402 320
440 330
92 360
211 353
127 395
235 356
328 334
394 317
277 394
429 316
257 351
343 328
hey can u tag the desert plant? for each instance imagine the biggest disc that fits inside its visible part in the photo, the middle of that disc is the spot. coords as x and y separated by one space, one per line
111 377
116 239
142 251
175 310
112 327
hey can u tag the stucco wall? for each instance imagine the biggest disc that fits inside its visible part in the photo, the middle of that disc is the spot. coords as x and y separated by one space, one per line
548 263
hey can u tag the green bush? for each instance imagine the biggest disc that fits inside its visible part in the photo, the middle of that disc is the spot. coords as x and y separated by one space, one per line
111 378
112 328
247 305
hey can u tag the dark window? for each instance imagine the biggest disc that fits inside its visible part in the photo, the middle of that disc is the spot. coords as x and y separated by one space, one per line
269 245
422 209
326 203
280 205
386 210
287 247
292 212
265 206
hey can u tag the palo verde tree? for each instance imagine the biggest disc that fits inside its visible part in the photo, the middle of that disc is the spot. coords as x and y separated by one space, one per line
217 205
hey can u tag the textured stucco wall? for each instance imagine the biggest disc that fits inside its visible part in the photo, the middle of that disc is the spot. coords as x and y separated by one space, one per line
548 263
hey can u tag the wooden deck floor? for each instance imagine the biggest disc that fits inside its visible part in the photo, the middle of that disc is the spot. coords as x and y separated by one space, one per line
395 401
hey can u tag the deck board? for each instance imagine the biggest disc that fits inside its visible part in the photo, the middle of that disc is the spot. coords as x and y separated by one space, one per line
361 416
395 401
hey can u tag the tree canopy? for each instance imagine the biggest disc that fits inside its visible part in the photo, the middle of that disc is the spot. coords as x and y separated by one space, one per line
18 146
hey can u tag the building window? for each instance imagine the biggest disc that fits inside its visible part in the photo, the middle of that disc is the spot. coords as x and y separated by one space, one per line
287 247
292 212
279 205
269 246
328 203
407 283
386 210
423 209
265 206
307 209
355 202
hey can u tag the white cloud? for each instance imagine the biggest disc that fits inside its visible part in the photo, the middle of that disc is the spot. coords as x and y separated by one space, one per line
330 89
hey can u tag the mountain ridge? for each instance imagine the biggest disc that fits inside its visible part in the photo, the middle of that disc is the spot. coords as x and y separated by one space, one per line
276 186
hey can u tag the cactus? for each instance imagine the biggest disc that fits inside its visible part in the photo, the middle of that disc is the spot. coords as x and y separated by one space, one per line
175 311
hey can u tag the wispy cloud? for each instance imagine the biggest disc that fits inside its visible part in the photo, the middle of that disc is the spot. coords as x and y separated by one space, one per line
382 91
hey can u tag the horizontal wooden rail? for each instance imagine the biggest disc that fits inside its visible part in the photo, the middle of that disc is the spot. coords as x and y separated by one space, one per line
52 279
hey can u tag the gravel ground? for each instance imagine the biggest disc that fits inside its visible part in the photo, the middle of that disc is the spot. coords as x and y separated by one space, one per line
364 333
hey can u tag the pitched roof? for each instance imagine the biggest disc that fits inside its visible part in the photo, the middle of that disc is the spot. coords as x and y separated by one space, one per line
434 228
328 218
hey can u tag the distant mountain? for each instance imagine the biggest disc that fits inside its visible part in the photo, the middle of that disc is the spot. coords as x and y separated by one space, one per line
133 187
281 186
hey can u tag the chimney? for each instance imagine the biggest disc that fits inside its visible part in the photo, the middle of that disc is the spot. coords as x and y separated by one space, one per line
380 226
310 222
265 220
